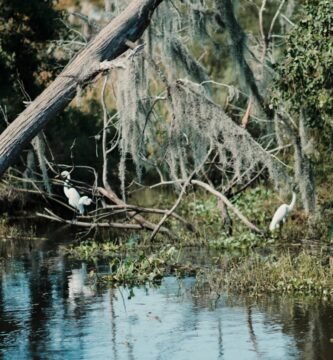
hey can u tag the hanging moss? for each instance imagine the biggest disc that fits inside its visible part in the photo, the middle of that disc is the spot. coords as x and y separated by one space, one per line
238 46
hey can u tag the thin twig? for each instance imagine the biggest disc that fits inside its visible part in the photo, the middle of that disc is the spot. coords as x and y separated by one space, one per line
274 19
261 25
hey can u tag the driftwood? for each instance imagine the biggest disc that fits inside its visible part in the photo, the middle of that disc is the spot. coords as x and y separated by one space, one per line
92 61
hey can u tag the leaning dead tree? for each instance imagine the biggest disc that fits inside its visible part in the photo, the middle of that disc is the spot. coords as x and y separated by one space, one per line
93 60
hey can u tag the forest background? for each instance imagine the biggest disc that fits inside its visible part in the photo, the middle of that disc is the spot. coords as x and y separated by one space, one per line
236 96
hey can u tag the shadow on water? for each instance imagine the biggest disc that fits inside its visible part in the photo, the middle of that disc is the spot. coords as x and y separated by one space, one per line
49 311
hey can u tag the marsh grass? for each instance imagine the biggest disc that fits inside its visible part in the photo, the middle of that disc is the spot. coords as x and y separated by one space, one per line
303 273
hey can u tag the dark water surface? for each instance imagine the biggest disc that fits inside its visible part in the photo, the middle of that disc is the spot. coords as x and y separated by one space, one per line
48 311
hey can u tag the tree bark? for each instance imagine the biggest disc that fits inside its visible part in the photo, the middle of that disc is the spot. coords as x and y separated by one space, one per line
106 46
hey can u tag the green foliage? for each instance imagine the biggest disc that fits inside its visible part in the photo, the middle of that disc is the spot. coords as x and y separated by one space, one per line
304 77
242 241
252 204
206 209
91 251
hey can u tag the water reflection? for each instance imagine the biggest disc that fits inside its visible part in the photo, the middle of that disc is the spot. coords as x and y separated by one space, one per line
49 311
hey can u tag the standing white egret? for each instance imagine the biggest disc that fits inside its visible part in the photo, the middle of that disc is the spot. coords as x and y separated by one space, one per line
74 199
281 214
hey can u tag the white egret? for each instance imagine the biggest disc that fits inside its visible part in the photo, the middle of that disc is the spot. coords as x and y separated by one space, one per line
74 199
281 214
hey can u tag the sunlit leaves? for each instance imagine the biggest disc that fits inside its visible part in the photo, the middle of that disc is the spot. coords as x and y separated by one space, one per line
304 77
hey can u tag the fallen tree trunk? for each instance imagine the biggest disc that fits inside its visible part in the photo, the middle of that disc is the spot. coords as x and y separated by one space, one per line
106 46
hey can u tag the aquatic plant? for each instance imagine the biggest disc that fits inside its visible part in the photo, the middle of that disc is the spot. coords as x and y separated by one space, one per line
243 241
302 273
130 265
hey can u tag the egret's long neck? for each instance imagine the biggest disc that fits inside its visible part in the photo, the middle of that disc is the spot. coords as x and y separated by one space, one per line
293 201
66 182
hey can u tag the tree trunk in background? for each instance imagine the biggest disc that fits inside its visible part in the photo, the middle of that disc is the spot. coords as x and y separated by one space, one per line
106 46
304 177
304 168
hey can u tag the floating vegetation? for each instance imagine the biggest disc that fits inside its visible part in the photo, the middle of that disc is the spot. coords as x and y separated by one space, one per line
92 251
302 273
131 266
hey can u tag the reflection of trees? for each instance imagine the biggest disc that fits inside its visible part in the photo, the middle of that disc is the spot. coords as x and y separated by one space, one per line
41 304
317 331
251 329
220 339
7 321
306 320
113 324
14 298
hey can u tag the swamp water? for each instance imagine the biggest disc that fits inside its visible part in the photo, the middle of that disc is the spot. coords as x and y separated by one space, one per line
49 311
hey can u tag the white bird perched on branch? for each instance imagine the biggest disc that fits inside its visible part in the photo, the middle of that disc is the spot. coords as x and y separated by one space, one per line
74 199
281 214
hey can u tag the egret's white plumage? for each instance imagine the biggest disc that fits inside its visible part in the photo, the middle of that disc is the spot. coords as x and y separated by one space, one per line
83 201
74 199
281 214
